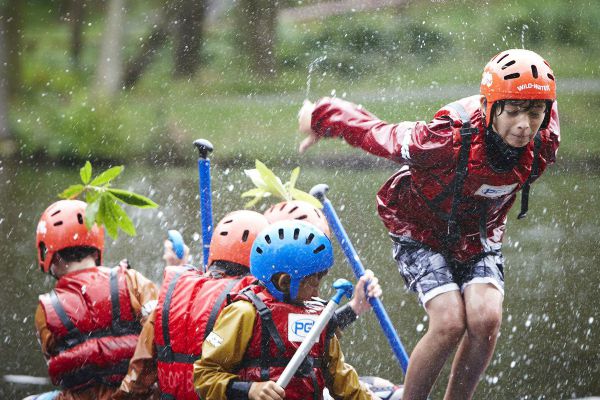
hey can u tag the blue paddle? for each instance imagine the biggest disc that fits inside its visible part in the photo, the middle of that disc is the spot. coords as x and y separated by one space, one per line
204 149
320 192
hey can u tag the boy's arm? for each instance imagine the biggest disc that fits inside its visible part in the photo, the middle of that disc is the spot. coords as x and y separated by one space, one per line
44 335
222 351
143 294
413 142
142 374
344 381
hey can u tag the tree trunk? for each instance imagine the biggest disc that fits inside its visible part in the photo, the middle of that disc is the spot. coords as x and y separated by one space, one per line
108 80
188 35
150 46
13 27
4 130
257 24
76 24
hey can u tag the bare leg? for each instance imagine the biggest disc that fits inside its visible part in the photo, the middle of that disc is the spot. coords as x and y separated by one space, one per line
446 327
483 305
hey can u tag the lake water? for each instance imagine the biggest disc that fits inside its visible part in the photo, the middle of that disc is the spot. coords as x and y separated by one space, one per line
549 347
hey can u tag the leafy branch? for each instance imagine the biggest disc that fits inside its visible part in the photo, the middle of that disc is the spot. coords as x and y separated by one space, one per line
268 184
103 201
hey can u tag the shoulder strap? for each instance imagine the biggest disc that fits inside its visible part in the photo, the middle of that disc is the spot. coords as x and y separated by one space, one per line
114 298
466 132
64 318
214 312
266 318
533 175
164 352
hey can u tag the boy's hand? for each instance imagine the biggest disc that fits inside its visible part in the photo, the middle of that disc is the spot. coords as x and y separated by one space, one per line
304 123
268 390
171 258
360 302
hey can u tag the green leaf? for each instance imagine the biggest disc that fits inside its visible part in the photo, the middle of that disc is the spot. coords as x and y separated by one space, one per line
272 181
107 176
293 178
253 202
86 173
254 192
106 215
133 199
90 213
123 220
71 192
309 198
255 177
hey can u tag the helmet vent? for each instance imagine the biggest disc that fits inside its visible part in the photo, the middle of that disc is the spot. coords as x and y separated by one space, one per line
80 218
551 76
55 212
43 250
310 238
281 234
508 64
282 206
318 213
296 233
512 76
319 249
245 235
293 209
302 217
534 71
502 58
228 221
268 239
224 233
259 250
58 223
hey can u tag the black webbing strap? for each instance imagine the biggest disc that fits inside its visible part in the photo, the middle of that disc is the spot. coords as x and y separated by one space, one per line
281 362
214 313
94 373
533 175
466 132
114 299
164 352
74 333
167 396
268 332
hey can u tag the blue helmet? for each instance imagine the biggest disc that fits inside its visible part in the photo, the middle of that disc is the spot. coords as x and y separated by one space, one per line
292 247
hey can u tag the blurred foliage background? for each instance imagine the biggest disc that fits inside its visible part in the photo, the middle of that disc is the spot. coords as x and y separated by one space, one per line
132 80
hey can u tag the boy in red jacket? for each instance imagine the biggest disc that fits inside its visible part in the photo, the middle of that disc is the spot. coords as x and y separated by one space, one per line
88 325
446 207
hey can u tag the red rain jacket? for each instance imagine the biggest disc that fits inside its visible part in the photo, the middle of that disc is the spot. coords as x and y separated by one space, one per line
416 201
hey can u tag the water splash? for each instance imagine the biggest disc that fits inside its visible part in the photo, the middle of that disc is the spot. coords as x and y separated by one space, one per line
311 68
525 27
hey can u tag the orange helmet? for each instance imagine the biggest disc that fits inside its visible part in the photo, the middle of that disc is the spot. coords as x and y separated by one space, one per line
62 226
517 74
301 210
233 237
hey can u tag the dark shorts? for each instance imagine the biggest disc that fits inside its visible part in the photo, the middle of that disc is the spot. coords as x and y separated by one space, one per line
430 274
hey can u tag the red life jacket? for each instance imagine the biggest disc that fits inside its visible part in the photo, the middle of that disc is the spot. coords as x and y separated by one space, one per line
270 348
460 208
89 313
188 306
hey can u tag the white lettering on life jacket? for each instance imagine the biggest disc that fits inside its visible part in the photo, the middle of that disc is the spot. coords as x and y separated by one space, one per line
299 325
493 192
405 142
214 339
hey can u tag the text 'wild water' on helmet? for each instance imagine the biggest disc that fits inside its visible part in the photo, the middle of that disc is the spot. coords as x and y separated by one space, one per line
293 247
517 74
300 210
61 226
233 237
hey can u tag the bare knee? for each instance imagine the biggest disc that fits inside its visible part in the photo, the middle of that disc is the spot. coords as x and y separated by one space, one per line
448 324
483 322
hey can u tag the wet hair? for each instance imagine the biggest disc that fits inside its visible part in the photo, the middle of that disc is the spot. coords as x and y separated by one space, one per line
228 268
75 254
524 105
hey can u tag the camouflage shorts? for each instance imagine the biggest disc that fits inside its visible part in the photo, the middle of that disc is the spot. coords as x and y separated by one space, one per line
429 273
